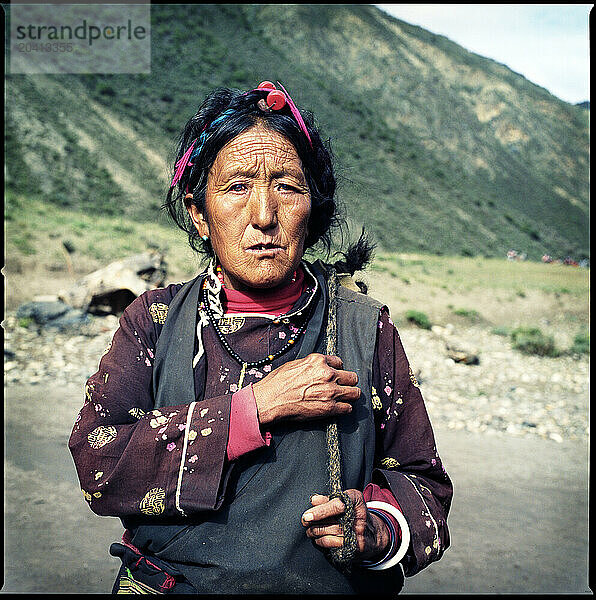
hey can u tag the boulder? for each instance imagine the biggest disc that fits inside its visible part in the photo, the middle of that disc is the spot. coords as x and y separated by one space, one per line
52 314
42 312
111 289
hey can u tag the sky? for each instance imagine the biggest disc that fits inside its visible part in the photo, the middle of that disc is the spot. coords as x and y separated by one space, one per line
546 43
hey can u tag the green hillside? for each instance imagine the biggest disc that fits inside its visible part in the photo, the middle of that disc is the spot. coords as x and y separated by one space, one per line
438 150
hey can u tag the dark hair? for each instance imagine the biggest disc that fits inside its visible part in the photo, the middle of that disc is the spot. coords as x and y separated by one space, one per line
316 160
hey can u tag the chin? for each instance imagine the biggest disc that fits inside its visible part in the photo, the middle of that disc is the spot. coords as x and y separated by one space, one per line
260 273
266 278
270 282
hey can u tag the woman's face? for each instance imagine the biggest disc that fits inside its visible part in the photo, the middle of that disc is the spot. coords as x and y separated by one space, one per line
257 207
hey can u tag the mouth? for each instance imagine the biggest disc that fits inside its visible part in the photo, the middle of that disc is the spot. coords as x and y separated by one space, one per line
265 249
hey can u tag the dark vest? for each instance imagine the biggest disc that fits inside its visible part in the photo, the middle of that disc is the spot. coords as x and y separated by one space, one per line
255 543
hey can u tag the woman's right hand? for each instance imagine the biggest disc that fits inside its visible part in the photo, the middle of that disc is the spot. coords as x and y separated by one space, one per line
312 387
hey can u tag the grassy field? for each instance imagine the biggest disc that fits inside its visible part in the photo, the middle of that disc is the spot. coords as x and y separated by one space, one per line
463 274
47 248
495 293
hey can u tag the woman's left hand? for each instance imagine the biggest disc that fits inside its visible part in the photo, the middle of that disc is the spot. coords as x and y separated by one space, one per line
322 525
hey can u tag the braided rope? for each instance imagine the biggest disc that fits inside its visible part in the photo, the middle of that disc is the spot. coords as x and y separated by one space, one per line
342 557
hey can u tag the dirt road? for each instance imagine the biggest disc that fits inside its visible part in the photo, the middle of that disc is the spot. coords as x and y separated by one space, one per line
519 520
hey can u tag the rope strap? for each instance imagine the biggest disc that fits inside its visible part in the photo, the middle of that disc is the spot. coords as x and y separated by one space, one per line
343 557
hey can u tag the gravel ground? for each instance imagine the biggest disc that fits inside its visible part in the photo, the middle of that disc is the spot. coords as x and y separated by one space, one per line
506 393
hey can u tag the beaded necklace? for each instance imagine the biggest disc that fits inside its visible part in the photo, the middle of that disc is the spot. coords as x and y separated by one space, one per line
263 361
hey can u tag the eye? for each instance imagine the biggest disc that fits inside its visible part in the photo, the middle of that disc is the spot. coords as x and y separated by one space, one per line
237 188
287 187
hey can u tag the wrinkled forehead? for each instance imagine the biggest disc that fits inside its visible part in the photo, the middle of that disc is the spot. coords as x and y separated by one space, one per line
258 148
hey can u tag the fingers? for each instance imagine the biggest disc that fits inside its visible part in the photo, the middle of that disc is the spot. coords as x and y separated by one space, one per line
331 536
348 378
321 521
329 368
323 509
340 376
316 499
323 525
329 378
333 361
312 387
347 394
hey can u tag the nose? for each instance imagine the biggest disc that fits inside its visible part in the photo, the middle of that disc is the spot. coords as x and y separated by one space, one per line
263 209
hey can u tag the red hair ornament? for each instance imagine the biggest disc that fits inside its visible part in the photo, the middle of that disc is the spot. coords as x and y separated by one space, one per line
277 99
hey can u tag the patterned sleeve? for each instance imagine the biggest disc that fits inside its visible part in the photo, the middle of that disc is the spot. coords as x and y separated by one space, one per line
407 461
133 460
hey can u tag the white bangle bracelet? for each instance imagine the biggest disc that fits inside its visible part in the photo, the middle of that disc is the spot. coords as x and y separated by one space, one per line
405 533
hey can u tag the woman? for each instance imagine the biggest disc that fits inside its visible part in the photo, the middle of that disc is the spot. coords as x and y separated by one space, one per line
259 429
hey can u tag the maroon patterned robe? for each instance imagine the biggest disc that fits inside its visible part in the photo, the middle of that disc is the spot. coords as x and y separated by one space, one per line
134 461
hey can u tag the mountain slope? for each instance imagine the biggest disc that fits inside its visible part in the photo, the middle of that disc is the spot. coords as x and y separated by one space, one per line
438 150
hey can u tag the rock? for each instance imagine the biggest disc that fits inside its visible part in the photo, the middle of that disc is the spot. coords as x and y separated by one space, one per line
72 319
112 288
52 314
462 356
42 312
439 331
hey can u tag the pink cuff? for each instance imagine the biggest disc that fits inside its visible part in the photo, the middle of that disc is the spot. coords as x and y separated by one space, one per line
373 492
245 434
